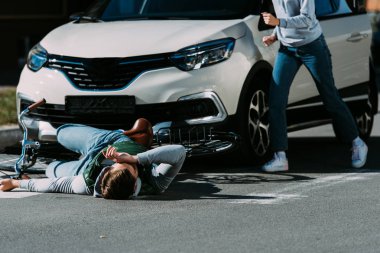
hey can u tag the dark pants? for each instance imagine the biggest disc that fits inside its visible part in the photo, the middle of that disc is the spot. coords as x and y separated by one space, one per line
317 59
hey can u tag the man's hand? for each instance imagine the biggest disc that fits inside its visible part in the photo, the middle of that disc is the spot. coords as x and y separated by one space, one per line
269 40
117 157
8 184
269 19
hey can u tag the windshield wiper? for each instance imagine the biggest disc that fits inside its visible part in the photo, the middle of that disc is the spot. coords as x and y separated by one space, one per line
156 18
79 17
88 18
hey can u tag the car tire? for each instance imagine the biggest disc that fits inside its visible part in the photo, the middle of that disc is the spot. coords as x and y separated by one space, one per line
365 119
253 121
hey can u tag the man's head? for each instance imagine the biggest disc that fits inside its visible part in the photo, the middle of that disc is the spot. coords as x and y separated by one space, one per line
119 182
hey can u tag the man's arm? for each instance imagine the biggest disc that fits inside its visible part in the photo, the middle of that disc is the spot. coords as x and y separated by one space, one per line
119 157
165 163
74 184
171 154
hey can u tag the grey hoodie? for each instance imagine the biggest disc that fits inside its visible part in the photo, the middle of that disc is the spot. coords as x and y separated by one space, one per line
298 23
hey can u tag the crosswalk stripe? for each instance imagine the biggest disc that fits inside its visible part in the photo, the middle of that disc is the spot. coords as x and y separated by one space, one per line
297 191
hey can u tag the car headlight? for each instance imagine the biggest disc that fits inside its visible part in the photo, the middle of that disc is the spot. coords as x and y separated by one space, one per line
37 57
204 54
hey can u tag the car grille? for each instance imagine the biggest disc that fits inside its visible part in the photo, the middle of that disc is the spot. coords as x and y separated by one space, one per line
106 73
57 115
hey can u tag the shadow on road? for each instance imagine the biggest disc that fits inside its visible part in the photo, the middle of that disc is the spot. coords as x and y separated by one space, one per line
327 155
200 176
198 186
194 190
306 155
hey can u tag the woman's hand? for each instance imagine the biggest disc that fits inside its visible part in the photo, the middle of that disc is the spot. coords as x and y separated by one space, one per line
269 19
269 40
118 157
8 184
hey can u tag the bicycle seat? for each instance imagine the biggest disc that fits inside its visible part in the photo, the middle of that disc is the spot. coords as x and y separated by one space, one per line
141 132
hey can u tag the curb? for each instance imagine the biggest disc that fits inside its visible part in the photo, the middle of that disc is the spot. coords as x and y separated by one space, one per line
9 135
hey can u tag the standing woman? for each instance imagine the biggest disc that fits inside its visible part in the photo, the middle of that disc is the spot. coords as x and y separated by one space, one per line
302 42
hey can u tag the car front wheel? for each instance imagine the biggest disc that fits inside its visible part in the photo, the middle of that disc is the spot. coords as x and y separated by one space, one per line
254 125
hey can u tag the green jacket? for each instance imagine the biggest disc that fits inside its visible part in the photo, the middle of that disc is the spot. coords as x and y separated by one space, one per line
95 167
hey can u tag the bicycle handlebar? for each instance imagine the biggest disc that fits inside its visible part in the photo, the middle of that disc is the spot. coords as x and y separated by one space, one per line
37 104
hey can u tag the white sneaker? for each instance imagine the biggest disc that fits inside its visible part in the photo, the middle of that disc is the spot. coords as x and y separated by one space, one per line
359 155
276 164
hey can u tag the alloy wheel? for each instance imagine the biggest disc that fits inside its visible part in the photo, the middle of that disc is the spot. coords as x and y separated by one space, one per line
258 125
365 120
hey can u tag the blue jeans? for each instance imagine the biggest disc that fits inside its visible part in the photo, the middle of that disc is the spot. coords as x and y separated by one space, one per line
317 59
85 140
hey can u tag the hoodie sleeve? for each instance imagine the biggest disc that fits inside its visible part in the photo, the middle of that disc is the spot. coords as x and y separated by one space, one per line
171 154
75 184
304 20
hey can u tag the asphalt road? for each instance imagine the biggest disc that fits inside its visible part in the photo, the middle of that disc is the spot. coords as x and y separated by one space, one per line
321 205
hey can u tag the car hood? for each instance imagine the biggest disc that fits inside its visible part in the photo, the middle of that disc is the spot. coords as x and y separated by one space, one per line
138 37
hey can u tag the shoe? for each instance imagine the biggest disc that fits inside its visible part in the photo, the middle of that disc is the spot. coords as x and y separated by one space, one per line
359 155
276 164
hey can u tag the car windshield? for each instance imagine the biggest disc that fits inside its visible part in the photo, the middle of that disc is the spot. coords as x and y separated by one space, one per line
112 10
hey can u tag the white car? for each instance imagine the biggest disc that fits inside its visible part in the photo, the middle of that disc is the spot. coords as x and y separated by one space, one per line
194 63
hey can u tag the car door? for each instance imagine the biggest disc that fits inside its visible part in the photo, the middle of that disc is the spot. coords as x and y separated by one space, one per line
348 35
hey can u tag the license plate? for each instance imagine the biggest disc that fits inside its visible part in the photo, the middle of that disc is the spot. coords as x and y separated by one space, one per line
100 104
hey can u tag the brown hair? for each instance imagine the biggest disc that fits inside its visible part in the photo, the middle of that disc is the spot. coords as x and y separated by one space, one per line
118 184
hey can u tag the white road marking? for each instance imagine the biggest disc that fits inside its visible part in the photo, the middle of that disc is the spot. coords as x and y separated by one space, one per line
268 198
7 161
298 190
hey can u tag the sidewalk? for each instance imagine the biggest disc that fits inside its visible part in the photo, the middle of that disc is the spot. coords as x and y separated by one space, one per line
9 136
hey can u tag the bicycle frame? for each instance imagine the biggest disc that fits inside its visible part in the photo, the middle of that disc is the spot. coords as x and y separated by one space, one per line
197 140
29 148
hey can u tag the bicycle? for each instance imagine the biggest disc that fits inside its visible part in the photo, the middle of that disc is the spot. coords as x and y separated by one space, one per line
29 148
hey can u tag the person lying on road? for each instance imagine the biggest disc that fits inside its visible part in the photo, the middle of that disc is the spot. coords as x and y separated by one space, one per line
113 165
